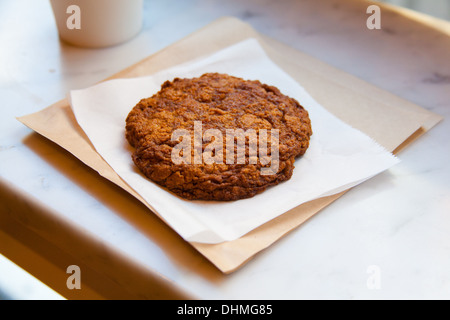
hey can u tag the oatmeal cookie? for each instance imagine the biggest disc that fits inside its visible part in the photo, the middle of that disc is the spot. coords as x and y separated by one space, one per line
219 104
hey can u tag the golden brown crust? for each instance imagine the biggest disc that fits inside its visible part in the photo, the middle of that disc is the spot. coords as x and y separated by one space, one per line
222 102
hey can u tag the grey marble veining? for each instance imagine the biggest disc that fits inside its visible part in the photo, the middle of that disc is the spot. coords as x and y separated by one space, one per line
397 222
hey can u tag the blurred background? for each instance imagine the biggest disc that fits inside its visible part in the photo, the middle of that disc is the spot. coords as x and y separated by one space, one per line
17 284
437 8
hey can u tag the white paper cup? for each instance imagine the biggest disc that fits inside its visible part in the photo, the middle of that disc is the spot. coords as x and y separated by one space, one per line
97 23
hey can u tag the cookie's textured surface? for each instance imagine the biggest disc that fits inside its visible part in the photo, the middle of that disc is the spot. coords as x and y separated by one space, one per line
220 102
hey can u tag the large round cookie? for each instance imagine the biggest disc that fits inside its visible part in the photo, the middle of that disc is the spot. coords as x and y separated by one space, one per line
219 102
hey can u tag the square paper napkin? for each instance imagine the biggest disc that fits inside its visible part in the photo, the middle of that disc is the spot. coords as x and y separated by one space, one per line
339 156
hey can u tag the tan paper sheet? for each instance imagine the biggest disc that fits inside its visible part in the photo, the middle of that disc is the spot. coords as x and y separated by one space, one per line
390 120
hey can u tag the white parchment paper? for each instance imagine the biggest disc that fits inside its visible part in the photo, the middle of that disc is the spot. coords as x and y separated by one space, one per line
339 156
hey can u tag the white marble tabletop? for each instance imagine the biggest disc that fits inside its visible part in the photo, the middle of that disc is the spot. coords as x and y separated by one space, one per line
389 238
